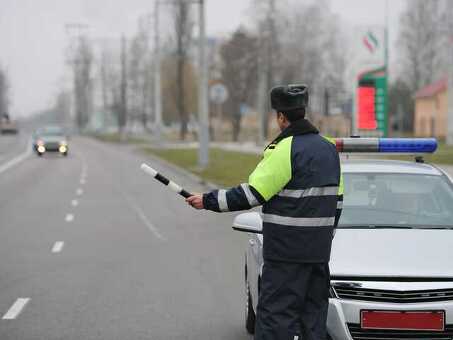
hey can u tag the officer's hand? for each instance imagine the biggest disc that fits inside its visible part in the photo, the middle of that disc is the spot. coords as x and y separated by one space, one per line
196 201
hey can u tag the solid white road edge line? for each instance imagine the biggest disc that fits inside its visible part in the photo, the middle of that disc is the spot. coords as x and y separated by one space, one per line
74 203
144 219
69 218
57 247
16 308
16 160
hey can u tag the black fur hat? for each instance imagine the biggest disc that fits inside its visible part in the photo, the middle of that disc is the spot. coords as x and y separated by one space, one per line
289 97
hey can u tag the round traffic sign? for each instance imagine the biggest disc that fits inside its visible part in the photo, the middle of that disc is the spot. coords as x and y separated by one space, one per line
218 93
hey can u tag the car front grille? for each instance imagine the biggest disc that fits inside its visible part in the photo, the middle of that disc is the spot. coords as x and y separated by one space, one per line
377 295
358 333
52 145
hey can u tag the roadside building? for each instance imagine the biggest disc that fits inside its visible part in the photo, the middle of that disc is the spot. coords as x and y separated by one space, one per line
431 106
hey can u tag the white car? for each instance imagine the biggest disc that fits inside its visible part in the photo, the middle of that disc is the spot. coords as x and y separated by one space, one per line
392 256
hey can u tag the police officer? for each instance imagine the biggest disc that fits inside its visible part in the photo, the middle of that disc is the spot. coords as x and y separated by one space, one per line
298 184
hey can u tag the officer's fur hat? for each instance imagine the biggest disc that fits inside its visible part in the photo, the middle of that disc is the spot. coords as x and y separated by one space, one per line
286 98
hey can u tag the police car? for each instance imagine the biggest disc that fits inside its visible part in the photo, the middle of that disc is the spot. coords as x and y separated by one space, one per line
392 255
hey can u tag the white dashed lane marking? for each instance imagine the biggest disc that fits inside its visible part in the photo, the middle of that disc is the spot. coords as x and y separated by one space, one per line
16 309
58 247
74 203
144 218
82 181
79 191
69 218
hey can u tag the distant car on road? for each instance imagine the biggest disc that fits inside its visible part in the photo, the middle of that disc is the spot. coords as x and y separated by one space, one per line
50 139
7 126
391 262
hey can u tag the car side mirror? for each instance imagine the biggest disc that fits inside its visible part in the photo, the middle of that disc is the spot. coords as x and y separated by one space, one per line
248 222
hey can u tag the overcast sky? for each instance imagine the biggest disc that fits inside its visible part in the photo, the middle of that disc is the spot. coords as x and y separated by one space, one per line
33 38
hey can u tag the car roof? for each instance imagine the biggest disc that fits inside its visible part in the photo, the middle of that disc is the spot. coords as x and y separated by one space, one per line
50 128
388 166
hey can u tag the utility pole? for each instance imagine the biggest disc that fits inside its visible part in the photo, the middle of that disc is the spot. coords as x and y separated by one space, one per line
203 105
261 97
157 77
122 115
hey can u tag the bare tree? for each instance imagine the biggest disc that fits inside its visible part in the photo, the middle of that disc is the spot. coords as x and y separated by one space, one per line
401 104
122 113
445 37
109 78
421 55
139 74
4 88
240 55
419 42
183 27
317 56
170 96
82 64
303 42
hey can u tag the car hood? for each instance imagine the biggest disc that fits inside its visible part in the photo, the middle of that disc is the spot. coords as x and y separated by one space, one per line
52 139
392 253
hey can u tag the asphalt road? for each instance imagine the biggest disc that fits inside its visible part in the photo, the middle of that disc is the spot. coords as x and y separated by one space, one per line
92 248
11 145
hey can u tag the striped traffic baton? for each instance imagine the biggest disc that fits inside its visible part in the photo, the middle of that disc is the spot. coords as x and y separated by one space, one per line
172 185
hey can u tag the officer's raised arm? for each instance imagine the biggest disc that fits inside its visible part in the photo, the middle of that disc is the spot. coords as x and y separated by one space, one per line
267 180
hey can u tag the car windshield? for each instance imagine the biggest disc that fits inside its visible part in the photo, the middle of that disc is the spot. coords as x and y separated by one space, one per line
51 131
397 201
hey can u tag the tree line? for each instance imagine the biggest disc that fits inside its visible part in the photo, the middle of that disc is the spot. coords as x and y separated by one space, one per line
280 44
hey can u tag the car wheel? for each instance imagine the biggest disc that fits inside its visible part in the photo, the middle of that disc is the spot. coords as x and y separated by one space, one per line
250 316
39 154
65 154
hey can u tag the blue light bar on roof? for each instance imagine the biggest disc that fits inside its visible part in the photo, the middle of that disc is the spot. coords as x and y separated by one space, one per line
387 145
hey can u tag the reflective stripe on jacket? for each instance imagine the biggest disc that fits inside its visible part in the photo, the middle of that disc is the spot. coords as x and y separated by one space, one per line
299 184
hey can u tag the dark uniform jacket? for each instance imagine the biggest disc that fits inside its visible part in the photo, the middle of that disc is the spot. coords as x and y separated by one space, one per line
299 184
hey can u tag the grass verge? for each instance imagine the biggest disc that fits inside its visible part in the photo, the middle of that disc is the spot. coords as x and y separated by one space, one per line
115 138
226 168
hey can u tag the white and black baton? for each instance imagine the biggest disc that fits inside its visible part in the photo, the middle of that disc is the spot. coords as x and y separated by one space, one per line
172 185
